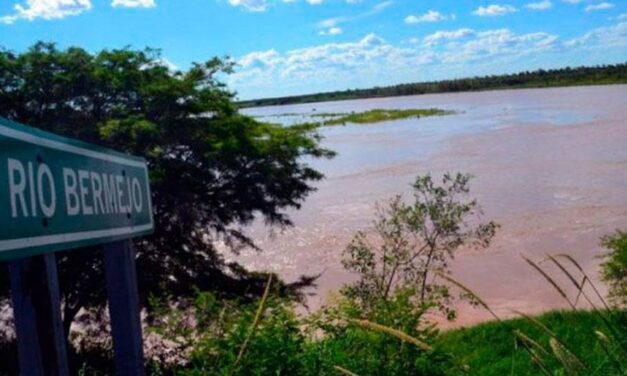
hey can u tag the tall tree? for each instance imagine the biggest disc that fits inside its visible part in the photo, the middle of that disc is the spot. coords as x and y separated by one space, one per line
212 169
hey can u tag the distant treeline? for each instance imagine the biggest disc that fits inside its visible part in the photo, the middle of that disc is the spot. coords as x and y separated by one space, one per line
597 75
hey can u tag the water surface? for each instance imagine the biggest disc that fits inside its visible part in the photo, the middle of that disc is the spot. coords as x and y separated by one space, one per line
550 166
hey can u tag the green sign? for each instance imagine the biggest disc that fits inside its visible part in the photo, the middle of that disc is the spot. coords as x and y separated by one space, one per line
57 193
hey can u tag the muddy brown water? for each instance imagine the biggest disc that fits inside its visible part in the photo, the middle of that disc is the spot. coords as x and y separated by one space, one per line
550 166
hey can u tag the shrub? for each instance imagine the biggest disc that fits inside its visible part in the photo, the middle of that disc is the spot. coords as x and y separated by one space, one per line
412 241
614 269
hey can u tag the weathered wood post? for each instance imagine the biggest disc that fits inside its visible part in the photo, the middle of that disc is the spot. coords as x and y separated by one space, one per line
56 194
124 308
38 324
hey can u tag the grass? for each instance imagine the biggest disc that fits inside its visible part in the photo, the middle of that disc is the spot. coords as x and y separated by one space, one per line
380 115
492 348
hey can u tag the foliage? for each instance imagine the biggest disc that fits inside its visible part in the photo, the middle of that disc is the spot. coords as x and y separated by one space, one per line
614 269
597 75
212 170
413 241
379 115
210 342
369 350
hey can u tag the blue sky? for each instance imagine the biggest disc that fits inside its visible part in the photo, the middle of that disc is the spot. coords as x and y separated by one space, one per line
287 47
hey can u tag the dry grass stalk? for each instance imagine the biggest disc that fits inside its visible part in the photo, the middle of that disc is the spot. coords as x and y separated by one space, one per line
550 280
586 278
538 361
601 314
606 345
571 363
393 332
529 342
579 285
344 371
468 291
260 310
552 335
536 322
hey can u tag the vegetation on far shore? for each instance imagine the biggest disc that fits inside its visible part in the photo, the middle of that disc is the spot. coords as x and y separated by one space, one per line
578 76
380 115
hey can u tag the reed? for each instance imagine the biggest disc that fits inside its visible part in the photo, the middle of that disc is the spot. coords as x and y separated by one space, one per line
468 291
550 280
603 315
571 363
392 332
578 285
606 345
528 341
344 371
587 279
253 328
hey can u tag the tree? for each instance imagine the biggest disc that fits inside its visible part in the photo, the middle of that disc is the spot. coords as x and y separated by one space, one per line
212 169
614 268
411 241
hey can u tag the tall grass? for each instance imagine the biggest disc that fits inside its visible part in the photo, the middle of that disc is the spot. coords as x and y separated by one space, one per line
558 355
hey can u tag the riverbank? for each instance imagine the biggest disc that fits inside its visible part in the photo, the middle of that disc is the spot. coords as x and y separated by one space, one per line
565 77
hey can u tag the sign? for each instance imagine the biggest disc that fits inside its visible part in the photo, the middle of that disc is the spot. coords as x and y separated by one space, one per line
57 193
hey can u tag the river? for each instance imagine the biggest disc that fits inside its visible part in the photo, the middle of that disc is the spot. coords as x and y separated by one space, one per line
550 166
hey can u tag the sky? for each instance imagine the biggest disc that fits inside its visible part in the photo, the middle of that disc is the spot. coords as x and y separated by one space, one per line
292 47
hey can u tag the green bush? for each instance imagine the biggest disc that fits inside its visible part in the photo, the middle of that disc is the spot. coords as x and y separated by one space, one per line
369 351
614 269
209 335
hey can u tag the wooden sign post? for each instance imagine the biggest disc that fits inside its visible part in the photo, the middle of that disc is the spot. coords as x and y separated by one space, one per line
58 194
38 325
124 308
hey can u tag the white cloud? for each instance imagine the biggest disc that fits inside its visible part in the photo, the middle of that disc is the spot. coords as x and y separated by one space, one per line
331 31
324 66
260 59
444 35
331 22
336 21
263 5
133 3
540 5
599 6
250 5
603 37
622 17
494 10
430 16
46 9
492 44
